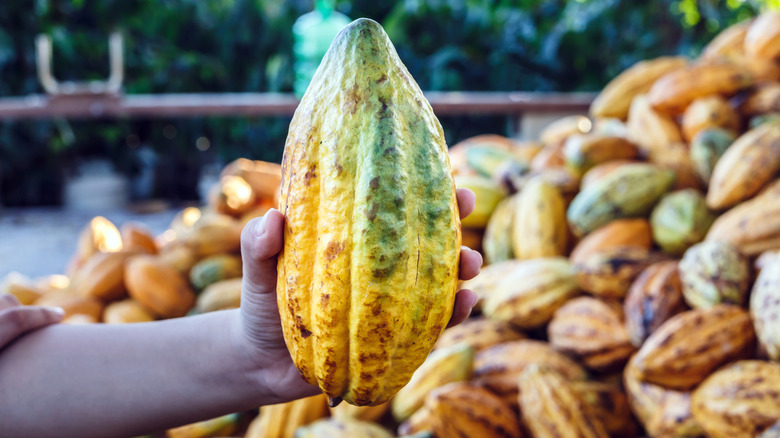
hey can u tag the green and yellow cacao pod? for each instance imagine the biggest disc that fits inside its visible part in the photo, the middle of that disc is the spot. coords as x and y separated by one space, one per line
489 194
497 241
369 269
706 148
680 220
629 191
215 268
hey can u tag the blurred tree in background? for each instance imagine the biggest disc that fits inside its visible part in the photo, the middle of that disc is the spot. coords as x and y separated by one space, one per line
176 46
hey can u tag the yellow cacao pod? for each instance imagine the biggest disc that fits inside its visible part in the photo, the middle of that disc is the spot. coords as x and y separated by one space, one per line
158 287
540 228
283 419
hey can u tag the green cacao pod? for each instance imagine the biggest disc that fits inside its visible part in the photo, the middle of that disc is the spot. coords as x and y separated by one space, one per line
681 219
629 191
215 268
706 149
489 194
714 272
369 269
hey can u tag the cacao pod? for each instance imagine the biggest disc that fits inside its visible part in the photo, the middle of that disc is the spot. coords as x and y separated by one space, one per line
220 426
224 294
739 400
690 345
489 194
631 190
498 368
714 273
21 287
72 303
443 366
618 233
610 405
753 226
283 420
263 177
615 98
763 38
550 407
540 228
497 241
763 100
609 273
583 151
158 287
479 334
601 170
728 42
709 112
649 129
369 269
136 238
215 268
102 276
674 91
746 166
342 427
126 311
680 220
592 331
706 149
764 305
528 296
654 297
559 130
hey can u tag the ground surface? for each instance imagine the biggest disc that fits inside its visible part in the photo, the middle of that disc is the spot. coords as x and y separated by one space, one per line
40 241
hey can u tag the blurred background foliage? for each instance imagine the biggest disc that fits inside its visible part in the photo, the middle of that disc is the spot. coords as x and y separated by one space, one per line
174 46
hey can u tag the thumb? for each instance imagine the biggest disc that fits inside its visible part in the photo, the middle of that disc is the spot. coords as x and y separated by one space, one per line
261 241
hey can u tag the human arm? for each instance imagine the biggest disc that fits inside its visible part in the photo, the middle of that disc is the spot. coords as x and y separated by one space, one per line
125 380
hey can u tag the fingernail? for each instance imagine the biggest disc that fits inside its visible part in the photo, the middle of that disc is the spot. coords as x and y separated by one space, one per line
58 310
260 226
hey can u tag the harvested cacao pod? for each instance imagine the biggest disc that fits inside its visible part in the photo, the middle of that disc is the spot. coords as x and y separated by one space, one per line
753 226
583 151
73 303
214 234
739 400
158 287
21 287
654 297
663 412
609 404
550 157
102 276
550 407
497 241
677 158
559 130
489 194
215 268
728 42
486 283
599 171
713 273
631 190
365 290
528 296
680 220
592 331
618 233
479 334
283 420
137 238
363 413
221 295
764 307
615 98
674 91
610 272
181 257
232 196
540 228
342 427
220 426
765 99
709 112
690 345
262 176
126 311
462 409
498 368
746 166
706 148
443 366
649 129
763 38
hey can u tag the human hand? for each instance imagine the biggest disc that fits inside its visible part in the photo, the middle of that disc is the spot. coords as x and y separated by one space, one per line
261 242
16 319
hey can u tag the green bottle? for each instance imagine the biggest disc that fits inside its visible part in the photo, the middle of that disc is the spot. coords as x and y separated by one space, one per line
312 35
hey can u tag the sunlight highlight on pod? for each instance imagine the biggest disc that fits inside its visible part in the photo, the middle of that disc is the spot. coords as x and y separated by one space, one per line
105 235
238 192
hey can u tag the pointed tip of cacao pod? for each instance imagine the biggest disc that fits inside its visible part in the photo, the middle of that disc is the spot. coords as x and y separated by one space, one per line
334 401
